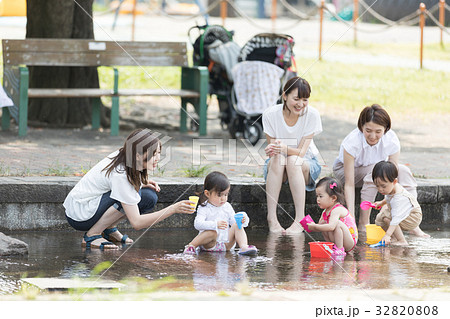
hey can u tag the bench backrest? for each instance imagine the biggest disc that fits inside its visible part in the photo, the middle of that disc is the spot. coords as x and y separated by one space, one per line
84 52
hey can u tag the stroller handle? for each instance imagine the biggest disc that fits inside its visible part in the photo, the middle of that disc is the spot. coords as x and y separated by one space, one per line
199 27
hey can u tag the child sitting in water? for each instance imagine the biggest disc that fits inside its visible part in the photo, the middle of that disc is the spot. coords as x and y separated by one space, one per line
336 223
401 210
214 218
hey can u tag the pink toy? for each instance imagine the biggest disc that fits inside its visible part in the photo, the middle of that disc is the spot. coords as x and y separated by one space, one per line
307 219
366 205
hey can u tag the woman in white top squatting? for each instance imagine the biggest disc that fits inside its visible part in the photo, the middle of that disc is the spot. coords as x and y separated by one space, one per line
118 187
290 128
371 142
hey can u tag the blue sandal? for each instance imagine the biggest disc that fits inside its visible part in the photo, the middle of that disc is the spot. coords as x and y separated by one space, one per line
109 231
88 241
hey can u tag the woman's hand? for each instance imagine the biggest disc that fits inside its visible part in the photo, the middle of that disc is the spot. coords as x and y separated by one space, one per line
183 207
153 185
276 148
222 224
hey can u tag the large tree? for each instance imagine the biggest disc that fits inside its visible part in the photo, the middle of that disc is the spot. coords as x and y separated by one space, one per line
65 19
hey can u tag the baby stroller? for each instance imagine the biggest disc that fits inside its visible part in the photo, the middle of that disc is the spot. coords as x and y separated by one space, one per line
214 48
265 63
245 81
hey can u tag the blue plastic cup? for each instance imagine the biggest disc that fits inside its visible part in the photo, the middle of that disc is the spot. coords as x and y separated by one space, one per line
238 217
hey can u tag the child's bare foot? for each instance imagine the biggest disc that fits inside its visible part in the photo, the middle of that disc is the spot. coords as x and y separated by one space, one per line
419 233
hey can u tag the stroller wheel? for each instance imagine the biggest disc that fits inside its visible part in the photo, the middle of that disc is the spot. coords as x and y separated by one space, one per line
233 127
252 131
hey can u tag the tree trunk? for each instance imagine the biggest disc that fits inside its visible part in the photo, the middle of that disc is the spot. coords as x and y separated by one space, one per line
62 19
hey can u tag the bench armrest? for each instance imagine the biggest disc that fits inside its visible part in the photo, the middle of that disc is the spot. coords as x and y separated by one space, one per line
196 79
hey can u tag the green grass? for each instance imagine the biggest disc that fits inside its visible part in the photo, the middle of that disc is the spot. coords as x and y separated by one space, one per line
141 77
342 86
196 171
350 87
432 51
337 85
57 169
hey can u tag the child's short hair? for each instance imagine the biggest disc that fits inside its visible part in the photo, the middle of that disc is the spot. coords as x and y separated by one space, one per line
376 114
385 171
214 182
332 188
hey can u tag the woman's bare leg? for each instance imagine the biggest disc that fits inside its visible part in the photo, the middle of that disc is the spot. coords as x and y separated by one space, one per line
297 175
275 173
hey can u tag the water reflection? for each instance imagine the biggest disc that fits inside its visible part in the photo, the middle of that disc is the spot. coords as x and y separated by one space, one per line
283 262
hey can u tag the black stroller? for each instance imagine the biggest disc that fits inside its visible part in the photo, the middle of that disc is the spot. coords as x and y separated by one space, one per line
232 76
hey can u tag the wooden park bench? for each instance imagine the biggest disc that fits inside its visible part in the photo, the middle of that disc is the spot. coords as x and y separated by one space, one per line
18 55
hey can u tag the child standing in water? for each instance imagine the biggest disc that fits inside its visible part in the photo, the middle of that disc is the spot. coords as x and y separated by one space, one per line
336 223
402 211
215 220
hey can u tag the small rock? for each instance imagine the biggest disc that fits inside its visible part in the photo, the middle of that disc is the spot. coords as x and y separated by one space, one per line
12 246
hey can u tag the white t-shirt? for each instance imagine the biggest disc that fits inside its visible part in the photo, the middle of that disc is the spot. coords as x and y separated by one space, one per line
208 216
401 206
83 200
275 126
356 145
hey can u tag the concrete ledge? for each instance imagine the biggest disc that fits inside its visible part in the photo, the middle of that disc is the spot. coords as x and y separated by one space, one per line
35 203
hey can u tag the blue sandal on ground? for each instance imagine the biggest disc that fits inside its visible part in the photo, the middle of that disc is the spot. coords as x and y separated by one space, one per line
109 231
88 241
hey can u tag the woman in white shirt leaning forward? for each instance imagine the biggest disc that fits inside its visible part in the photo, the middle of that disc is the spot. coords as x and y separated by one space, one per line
118 187
371 142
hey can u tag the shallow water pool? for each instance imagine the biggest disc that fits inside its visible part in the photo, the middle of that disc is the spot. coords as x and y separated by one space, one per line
283 262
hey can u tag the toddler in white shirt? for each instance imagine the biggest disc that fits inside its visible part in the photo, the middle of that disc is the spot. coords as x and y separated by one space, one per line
215 220
401 210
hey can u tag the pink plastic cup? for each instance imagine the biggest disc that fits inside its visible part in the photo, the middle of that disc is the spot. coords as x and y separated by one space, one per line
307 219
365 205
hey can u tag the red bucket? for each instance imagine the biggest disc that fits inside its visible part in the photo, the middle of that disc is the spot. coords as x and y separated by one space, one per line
321 249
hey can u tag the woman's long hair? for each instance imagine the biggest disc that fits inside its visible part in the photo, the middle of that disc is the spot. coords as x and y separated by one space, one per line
142 142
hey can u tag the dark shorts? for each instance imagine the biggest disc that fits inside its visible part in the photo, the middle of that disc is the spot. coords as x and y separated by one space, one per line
146 205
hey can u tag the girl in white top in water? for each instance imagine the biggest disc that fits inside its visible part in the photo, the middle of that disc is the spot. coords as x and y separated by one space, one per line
118 187
371 142
290 128
215 220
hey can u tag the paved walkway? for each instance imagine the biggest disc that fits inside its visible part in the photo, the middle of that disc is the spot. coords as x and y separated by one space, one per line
425 146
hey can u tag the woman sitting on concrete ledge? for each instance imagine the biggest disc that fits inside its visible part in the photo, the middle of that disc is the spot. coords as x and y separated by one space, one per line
118 187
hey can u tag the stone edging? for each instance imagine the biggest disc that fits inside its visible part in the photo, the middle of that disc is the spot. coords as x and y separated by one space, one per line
35 203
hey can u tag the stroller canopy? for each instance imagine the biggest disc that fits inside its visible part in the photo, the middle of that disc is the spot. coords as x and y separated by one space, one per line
269 47
256 86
